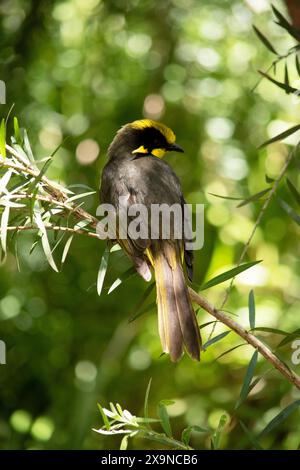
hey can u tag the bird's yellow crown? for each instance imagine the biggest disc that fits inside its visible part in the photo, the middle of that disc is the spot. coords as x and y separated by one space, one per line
166 131
143 137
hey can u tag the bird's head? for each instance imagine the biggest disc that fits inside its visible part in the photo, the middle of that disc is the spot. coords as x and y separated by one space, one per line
143 137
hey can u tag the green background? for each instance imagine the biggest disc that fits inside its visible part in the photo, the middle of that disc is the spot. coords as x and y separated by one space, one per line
83 68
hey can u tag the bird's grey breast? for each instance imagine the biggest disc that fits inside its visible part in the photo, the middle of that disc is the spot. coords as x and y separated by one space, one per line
153 180
149 179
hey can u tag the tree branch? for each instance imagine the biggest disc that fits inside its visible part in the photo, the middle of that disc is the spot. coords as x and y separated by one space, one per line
55 228
250 338
54 190
208 307
59 197
256 224
260 216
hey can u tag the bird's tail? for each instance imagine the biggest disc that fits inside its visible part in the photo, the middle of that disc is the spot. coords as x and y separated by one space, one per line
178 327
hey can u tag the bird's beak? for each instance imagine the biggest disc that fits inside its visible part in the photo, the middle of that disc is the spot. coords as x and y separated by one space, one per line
175 148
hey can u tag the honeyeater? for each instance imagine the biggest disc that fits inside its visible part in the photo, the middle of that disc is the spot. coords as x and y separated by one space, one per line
135 173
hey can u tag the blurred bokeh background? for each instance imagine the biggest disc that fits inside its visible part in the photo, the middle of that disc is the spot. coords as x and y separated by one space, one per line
82 68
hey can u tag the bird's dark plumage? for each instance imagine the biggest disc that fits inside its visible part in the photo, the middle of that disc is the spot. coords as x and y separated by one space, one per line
135 173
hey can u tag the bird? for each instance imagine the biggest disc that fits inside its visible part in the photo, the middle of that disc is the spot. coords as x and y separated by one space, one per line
137 174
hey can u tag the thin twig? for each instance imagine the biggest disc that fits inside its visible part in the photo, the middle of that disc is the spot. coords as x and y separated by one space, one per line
49 199
257 222
56 228
250 338
52 189
58 197
208 307
293 50
259 218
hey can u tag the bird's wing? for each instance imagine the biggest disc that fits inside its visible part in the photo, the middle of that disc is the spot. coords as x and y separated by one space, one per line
143 181
115 190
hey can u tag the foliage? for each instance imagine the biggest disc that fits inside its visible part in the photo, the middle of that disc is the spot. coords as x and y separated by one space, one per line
191 66
119 421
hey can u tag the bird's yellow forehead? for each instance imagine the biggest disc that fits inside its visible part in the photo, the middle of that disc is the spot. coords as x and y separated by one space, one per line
166 131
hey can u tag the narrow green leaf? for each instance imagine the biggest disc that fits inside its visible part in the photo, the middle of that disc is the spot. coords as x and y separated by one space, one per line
250 436
8 203
164 418
146 401
283 86
164 440
283 22
281 136
124 276
186 433
104 417
27 146
288 209
124 443
293 191
255 382
33 186
66 248
216 438
113 408
227 197
38 177
58 239
297 64
251 307
17 252
230 350
167 402
3 227
79 196
2 138
279 418
147 309
254 197
17 132
102 270
115 247
22 155
119 409
286 78
266 329
34 245
59 146
82 224
215 339
4 181
204 325
139 310
289 338
280 18
44 239
264 40
147 420
228 274
9 113
247 381
268 179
